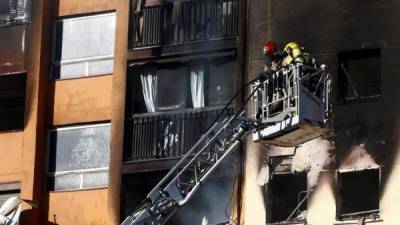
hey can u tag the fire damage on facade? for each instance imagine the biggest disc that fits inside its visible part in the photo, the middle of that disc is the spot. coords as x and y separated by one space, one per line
168 112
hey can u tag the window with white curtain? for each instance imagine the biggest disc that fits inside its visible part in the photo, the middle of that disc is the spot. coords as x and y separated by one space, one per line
173 86
78 157
83 46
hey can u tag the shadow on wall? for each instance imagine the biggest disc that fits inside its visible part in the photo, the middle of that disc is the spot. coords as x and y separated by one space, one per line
26 216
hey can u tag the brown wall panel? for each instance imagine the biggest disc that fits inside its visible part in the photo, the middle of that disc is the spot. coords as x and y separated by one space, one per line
87 207
82 100
11 151
70 7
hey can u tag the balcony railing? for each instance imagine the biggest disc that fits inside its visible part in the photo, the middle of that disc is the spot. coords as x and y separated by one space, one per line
166 135
180 22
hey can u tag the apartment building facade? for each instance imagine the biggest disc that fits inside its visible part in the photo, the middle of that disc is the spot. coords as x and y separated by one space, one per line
100 98
351 175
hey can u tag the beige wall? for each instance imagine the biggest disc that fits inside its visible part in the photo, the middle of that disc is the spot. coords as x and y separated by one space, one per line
82 100
86 207
11 151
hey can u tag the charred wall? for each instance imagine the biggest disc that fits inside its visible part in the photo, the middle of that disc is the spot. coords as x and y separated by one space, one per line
365 131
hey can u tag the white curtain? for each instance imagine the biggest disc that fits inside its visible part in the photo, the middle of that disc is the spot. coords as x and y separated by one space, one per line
197 85
149 88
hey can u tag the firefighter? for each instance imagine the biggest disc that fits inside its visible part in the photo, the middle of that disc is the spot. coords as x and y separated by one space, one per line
270 50
294 53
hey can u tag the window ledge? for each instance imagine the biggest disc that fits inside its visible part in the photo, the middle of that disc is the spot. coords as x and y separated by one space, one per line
353 100
300 222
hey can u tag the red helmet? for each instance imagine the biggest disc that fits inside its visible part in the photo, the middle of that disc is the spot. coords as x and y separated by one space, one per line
270 48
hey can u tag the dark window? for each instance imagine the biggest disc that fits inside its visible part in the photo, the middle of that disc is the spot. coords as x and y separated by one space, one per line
83 46
359 76
286 192
14 12
358 193
12 101
12 47
221 81
78 157
171 89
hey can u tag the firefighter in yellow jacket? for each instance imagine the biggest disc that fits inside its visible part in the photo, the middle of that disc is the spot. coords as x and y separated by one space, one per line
294 53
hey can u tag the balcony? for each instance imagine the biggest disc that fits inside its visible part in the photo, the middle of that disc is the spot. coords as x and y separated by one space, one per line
180 22
167 135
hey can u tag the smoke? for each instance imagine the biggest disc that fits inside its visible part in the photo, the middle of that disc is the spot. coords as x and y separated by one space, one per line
212 202
312 157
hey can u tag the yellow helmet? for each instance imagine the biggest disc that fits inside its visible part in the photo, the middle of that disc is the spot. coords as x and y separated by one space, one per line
294 53
291 46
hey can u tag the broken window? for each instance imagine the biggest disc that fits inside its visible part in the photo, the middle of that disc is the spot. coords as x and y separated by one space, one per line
83 46
14 12
359 75
357 193
78 157
12 101
286 192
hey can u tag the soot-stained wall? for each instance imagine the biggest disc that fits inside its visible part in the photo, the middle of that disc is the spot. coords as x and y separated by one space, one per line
365 132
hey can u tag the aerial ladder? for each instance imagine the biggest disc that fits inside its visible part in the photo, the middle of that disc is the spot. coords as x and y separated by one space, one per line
289 107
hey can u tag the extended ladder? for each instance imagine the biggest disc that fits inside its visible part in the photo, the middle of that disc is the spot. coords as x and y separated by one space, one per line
179 185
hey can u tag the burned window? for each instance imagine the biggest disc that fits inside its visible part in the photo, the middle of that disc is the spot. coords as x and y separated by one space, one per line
357 193
78 157
12 101
83 46
14 12
286 192
359 75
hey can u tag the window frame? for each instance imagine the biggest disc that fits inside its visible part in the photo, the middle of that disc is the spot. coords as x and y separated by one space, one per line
82 172
347 56
57 64
375 213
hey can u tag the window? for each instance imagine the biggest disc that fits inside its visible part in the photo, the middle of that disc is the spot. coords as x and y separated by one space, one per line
357 193
83 46
180 85
359 76
286 192
14 12
12 45
78 157
12 101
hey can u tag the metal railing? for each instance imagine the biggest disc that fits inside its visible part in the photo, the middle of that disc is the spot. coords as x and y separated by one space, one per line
180 22
278 94
157 136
